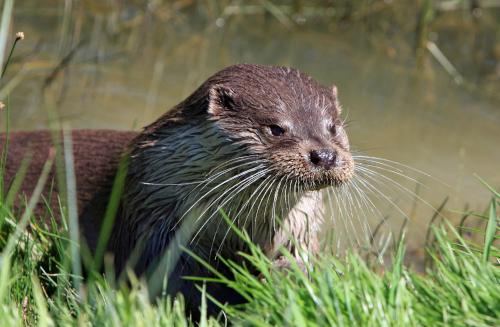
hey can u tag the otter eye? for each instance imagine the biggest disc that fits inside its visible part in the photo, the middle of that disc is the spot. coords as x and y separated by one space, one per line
333 129
276 130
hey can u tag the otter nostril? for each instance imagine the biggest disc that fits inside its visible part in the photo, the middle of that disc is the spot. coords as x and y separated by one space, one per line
324 158
314 157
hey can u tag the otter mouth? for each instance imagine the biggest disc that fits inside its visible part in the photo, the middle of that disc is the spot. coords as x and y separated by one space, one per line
331 179
334 176
321 185
314 180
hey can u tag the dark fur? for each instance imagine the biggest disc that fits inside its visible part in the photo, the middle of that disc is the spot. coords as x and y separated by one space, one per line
227 117
96 153
241 102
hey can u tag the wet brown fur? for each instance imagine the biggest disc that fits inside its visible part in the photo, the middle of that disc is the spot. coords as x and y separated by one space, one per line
227 117
96 153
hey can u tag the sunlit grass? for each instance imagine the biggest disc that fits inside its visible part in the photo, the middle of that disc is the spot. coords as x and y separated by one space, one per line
460 288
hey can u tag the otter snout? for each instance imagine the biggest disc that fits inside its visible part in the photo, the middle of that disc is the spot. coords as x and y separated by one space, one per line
325 158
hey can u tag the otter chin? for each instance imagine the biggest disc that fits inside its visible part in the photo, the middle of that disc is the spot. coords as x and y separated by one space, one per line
257 142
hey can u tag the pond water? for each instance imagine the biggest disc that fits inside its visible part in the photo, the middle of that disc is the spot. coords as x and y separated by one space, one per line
125 78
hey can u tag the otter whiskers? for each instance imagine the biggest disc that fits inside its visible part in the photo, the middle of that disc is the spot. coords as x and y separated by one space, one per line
239 187
210 192
354 201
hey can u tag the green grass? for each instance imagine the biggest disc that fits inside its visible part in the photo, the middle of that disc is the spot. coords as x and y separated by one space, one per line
461 287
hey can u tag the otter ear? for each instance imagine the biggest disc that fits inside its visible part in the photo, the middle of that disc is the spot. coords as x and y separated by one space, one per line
336 98
221 98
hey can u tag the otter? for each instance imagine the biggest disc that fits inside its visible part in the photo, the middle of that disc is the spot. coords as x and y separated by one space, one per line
253 145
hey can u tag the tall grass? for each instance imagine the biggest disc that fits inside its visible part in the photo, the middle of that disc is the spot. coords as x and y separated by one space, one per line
460 289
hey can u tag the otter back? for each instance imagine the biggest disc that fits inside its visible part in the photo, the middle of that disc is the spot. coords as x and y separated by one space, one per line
96 153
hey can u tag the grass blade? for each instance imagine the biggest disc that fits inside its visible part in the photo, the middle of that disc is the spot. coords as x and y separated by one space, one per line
491 229
74 233
44 319
4 27
6 256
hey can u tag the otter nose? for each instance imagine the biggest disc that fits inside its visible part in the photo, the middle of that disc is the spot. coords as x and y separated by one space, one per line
324 158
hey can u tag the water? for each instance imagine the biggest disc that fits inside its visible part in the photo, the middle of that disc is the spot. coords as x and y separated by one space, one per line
127 79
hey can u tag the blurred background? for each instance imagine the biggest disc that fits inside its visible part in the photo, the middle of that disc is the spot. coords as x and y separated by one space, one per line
419 80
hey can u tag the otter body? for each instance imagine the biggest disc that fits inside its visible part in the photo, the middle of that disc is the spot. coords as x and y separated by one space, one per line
96 153
256 142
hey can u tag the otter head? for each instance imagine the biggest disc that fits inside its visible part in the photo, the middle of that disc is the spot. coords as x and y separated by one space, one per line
285 117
